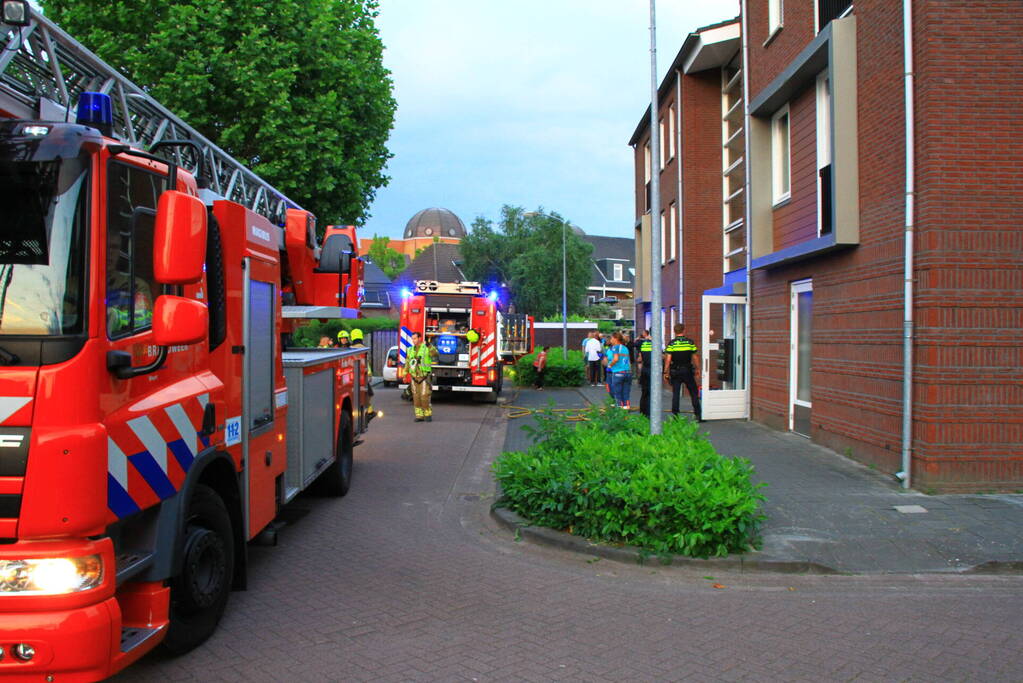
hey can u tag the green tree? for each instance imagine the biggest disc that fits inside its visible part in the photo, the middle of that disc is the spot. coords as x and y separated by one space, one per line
294 89
523 252
387 259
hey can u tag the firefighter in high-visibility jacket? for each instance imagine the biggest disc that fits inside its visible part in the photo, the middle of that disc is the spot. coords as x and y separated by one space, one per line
359 343
418 364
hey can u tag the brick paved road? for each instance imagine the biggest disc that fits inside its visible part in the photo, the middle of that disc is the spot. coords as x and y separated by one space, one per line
408 579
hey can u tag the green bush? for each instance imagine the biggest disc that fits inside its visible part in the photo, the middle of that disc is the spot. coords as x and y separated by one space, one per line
560 372
608 479
309 333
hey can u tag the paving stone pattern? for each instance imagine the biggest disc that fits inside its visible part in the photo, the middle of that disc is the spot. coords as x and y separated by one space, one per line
408 579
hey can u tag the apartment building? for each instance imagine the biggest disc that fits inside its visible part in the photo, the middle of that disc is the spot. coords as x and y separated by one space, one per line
885 228
702 206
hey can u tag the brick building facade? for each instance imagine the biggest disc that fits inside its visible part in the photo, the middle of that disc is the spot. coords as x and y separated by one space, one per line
827 228
695 98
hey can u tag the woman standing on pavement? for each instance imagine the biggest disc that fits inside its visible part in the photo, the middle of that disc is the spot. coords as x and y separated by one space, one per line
540 364
620 369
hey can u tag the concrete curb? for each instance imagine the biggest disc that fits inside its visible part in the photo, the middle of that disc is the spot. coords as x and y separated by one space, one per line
629 555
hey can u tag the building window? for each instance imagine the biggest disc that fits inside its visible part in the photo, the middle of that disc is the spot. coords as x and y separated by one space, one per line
775 15
823 154
618 272
671 132
664 146
664 240
827 10
780 160
673 231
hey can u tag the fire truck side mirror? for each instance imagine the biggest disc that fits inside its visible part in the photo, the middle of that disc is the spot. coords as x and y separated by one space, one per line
177 320
179 245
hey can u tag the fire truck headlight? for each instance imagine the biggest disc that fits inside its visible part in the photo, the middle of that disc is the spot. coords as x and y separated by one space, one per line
51 575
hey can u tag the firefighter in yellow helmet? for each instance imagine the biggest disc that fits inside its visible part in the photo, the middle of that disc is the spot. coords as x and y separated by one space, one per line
343 340
358 343
418 364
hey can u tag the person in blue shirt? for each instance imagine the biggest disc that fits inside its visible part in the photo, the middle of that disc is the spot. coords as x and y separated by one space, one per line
620 369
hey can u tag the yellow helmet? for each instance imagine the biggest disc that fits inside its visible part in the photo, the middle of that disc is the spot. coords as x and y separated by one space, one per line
472 336
356 335
343 334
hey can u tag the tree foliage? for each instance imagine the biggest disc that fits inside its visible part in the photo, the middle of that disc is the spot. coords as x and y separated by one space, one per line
523 253
386 259
294 89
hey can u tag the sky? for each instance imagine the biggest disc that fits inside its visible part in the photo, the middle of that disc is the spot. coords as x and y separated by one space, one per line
524 102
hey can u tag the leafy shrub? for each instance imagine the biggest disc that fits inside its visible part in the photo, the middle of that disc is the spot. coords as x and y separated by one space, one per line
560 372
609 480
309 334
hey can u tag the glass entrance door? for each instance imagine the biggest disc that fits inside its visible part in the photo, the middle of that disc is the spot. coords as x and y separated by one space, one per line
723 358
801 312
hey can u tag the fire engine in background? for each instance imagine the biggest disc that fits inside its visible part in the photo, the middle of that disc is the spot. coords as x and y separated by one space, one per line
151 420
473 337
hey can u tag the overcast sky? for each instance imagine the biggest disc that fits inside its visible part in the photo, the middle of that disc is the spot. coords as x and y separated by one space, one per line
523 102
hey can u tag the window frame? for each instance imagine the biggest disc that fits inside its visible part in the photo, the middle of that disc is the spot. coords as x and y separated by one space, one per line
781 172
155 289
673 230
775 17
671 132
618 272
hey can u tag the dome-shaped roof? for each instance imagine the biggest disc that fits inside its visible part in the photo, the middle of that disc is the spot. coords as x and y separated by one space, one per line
435 222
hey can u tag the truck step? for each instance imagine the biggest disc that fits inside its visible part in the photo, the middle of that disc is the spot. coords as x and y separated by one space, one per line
130 563
132 637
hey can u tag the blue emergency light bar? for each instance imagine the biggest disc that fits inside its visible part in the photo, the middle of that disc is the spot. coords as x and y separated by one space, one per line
96 110
405 292
492 296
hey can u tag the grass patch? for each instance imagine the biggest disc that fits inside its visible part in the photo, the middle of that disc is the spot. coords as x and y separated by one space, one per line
608 480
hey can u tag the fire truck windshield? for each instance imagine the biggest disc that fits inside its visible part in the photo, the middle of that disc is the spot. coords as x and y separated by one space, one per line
43 213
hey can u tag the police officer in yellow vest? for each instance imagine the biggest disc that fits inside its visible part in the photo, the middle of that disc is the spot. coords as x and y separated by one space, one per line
645 346
681 365
418 364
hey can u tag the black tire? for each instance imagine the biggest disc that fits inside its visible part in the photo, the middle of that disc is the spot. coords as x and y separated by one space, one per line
199 593
337 478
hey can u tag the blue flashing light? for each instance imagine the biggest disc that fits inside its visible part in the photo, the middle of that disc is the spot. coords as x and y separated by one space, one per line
493 295
405 292
446 343
95 109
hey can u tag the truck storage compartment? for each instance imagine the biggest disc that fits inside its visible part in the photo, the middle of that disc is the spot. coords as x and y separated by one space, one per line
310 377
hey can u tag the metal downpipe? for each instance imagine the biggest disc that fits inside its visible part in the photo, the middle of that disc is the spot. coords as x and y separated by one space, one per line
907 324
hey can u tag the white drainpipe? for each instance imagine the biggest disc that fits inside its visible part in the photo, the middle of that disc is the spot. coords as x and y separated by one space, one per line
747 215
907 324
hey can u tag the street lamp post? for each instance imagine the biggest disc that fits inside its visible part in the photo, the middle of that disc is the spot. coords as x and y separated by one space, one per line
564 279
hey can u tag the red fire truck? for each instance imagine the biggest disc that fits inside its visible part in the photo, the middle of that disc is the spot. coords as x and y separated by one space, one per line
471 333
152 422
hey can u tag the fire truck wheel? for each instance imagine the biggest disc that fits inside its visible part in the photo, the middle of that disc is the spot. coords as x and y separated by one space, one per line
199 594
337 478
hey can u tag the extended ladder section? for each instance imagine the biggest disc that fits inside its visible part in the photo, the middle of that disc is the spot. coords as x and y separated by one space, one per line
43 71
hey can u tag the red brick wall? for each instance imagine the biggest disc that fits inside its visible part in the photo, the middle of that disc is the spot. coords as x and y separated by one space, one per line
797 31
969 254
668 194
857 299
968 391
795 221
